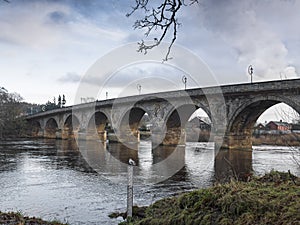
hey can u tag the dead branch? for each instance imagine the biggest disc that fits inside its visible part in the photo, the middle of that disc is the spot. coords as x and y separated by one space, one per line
162 19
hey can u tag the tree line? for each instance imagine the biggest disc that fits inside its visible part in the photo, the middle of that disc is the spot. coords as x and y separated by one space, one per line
12 123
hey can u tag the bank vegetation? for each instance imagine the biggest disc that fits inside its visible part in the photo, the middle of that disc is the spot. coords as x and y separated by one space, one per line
17 218
12 124
290 139
271 199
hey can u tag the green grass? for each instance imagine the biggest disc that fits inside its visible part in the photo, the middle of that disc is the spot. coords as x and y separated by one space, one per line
18 218
272 199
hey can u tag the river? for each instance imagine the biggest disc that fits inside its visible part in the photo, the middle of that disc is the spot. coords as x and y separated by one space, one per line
53 180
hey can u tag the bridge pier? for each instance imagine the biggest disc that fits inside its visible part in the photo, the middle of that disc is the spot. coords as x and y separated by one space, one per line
68 133
237 142
58 134
96 135
129 136
173 136
39 134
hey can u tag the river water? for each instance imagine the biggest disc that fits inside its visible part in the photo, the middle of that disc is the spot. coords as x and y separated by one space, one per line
52 179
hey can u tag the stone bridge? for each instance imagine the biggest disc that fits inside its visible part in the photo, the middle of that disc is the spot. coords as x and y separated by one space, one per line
233 110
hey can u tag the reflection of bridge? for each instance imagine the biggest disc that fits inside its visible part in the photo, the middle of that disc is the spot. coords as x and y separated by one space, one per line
233 110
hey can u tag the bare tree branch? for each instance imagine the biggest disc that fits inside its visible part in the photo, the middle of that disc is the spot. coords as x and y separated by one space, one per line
162 18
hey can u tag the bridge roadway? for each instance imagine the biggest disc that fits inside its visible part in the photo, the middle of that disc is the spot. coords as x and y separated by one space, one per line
233 110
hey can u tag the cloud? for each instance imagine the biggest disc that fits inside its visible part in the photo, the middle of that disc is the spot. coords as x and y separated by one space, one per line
58 17
48 24
244 27
23 24
152 76
70 78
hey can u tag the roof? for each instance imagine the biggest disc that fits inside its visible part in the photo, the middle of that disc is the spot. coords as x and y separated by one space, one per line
279 123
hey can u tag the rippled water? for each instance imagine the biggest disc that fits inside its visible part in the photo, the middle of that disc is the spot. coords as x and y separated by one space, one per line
53 180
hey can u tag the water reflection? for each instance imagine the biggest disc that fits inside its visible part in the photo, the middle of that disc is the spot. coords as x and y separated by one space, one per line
233 164
153 165
83 182
162 164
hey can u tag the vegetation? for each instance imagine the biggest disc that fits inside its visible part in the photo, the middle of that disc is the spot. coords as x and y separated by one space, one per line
13 110
11 121
19 219
291 139
271 199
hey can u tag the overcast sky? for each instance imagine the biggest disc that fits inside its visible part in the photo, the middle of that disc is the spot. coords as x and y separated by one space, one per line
47 46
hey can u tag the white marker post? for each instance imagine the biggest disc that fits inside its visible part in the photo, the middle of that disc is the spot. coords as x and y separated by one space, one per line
130 188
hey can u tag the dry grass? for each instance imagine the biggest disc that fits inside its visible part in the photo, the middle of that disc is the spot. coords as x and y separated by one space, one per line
272 199
17 218
292 139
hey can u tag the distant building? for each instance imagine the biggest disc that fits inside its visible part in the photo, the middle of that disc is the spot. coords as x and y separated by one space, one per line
200 123
198 129
260 129
278 127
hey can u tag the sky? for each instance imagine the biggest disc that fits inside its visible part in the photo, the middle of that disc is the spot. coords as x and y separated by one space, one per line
47 47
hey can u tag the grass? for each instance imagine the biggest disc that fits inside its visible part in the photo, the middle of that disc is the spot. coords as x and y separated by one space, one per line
18 218
271 199
292 139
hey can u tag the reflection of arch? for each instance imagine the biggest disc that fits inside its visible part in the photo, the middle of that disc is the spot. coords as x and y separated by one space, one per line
36 128
96 126
240 126
71 127
129 125
51 128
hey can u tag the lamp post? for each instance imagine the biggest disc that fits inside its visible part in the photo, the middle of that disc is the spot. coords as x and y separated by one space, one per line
139 87
184 81
250 71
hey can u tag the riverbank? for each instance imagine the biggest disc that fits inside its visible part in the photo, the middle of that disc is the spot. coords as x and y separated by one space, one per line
292 139
16 218
271 199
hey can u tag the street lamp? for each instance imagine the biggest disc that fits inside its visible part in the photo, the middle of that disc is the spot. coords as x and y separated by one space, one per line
184 81
250 71
139 87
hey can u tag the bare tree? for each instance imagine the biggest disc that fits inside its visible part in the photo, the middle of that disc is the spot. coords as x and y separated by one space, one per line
162 19
288 115
292 115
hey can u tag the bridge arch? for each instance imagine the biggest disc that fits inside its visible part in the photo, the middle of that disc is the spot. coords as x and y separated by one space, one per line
51 128
71 127
241 123
97 124
129 124
36 128
176 121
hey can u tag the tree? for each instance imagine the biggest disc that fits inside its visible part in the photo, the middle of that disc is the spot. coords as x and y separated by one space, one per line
162 18
11 121
289 114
